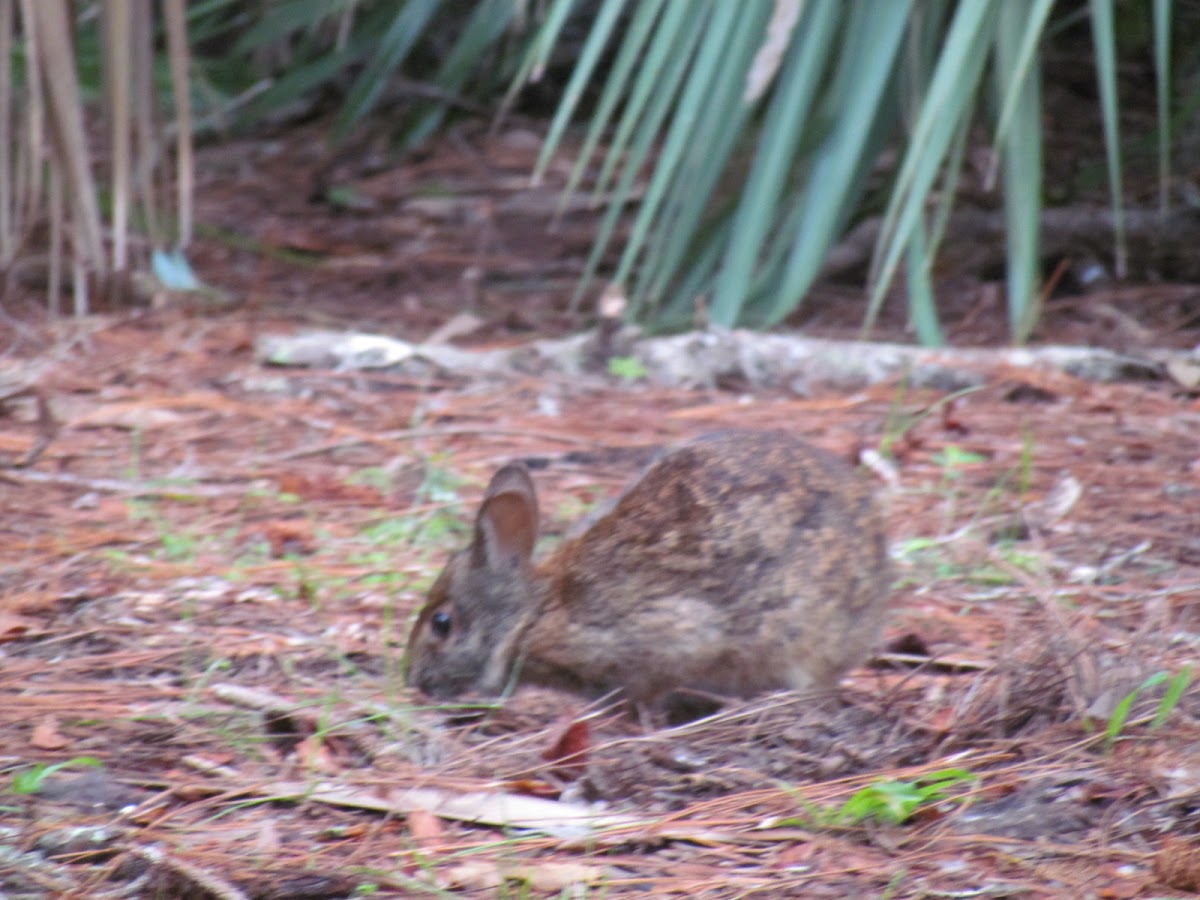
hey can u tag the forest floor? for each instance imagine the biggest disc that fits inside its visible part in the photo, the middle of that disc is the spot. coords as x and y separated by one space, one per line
208 568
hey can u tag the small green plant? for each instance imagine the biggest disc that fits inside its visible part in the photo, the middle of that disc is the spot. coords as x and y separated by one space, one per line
899 422
952 458
33 779
440 483
439 489
886 800
119 561
895 802
894 885
929 556
253 553
628 368
428 527
1176 686
387 579
433 525
306 582
953 461
178 546
376 477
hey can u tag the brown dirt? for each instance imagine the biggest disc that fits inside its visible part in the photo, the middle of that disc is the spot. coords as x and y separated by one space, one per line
208 573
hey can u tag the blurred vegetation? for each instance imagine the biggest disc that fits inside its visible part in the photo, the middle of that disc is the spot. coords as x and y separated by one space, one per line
263 61
744 139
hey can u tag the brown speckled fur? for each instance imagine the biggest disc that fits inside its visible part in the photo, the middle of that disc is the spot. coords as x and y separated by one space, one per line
737 563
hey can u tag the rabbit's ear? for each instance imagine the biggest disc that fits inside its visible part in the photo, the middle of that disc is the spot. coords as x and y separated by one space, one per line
506 527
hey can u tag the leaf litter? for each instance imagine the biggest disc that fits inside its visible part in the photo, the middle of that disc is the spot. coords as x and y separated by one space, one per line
208 569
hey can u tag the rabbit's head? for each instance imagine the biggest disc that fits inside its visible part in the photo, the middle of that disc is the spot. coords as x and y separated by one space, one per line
467 636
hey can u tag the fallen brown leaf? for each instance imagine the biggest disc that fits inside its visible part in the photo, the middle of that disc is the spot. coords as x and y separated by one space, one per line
45 735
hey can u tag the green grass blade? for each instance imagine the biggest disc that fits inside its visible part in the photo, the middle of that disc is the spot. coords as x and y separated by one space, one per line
694 102
667 60
720 20
680 309
616 87
705 144
298 81
949 189
948 100
1162 72
788 114
284 18
662 93
1175 690
410 23
922 302
1021 156
543 42
486 26
1031 24
599 33
1105 47
860 93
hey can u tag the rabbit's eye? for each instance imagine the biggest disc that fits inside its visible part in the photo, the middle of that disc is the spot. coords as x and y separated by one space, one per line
440 624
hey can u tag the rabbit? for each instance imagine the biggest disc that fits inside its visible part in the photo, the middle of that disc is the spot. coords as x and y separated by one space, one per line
737 563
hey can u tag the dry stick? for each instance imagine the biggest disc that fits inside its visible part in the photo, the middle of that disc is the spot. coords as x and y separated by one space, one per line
175 26
121 486
51 27
118 68
412 434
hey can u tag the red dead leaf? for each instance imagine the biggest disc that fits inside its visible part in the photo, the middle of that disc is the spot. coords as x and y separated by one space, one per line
950 420
534 787
13 627
568 754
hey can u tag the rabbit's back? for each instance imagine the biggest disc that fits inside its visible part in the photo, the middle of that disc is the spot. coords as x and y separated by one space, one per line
739 562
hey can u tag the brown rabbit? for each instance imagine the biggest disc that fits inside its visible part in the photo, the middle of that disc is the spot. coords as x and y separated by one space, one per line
738 562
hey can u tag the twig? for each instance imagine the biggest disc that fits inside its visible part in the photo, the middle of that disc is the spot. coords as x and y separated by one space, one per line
133 488
413 434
